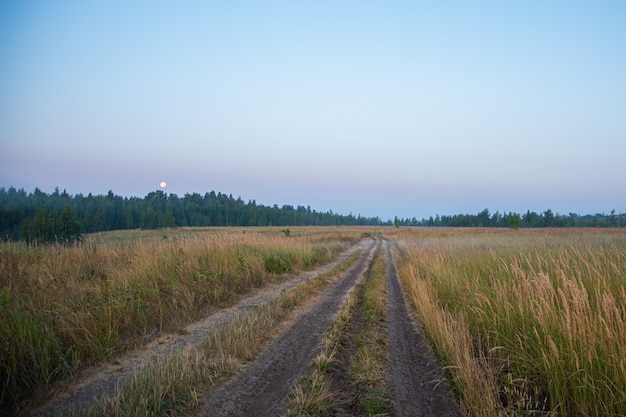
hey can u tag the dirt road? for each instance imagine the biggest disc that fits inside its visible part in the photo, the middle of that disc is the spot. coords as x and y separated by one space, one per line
94 383
261 387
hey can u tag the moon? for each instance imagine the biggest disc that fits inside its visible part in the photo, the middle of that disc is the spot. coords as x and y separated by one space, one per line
163 184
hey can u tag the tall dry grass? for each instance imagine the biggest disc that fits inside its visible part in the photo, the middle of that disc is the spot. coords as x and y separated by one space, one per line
528 322
174 384
63 308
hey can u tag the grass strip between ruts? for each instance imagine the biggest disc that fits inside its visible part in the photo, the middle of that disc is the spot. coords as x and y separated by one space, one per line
173 384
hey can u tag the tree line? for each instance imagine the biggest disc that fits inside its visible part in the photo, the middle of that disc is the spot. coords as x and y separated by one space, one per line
530 219
61 217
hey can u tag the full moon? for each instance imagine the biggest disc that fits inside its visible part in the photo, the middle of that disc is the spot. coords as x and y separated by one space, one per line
163 184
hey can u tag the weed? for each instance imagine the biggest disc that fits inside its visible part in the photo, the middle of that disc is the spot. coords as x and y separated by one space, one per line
311 397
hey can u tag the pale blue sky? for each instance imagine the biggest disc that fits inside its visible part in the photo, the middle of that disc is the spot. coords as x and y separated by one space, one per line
375 108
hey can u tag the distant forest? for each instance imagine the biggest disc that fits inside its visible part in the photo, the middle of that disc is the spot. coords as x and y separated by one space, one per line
59 216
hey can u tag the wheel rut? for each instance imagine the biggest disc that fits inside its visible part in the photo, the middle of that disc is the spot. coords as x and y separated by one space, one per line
262 388
415 381
98 382
418 384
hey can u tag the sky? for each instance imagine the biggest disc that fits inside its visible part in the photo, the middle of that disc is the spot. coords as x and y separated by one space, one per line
394 108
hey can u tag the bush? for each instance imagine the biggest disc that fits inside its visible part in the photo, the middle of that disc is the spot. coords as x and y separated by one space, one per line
277 264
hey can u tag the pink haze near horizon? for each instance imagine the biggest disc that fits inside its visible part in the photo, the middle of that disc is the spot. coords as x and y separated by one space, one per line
405 109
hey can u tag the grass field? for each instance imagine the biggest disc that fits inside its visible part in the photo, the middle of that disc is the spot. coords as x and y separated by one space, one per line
527 322
63 308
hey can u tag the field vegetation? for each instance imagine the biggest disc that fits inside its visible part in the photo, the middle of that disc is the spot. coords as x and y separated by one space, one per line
526 322
63 308
354 349
174 384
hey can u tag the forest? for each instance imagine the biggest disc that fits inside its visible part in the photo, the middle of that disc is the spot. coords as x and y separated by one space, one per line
44 217
61 217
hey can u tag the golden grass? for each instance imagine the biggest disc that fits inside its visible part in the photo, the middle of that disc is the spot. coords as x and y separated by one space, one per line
451 339
528 322
62 308
314 394
174 384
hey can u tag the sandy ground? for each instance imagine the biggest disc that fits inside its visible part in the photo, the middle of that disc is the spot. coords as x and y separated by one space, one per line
262 389
418 385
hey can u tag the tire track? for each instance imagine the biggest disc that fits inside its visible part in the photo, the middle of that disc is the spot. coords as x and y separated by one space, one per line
262 389
358 391
418 385
97 382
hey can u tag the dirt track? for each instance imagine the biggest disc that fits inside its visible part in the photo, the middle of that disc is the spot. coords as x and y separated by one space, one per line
261 387
97 382
418 385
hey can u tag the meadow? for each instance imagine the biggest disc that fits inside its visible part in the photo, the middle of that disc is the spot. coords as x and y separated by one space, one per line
65 308
526 322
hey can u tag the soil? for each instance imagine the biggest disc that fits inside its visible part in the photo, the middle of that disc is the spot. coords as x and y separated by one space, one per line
418 385
100 381
261 387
